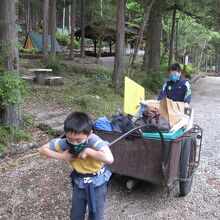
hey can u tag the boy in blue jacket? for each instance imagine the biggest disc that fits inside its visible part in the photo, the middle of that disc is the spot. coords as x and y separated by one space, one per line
88 155
176 89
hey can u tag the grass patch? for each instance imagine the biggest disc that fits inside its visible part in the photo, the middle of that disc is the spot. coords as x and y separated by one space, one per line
92 94
11 135
89 92
88 88
28 123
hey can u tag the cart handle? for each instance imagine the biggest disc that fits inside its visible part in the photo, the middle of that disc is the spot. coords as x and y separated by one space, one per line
153 127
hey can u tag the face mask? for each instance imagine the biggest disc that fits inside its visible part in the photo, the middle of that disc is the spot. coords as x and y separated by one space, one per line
76 148
174 77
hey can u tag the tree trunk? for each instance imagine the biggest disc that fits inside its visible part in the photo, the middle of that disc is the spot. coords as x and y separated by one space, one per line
53 29
197 55
176 44
171 38
27 15
155 37
69 19
119 48
217 68
141 31
82 28
146 56
201 55
45 28
64 18
8 40
193 60
99 48
73 21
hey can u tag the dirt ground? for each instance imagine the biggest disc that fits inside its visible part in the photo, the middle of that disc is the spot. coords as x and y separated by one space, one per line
33 187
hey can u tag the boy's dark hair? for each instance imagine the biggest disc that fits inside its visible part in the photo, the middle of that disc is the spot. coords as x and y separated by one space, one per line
78 123
175 67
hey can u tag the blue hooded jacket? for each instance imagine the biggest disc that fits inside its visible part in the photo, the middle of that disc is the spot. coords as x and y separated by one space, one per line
177 91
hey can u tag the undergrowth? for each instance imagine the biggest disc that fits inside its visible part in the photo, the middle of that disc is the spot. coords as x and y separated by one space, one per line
10 134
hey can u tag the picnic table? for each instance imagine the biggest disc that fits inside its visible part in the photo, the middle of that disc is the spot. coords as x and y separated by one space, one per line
40 75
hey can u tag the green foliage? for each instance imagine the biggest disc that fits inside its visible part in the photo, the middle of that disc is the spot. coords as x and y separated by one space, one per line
28 122
57 66
26 50
3 55
86 91
2 148
103 13
76 44
134 10
190 69
10 134
88 42
65 40
103 79
11 87
154 80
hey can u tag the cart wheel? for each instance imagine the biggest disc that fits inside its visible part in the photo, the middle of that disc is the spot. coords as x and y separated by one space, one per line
187 159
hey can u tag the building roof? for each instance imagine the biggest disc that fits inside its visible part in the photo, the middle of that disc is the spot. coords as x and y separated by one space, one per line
94 31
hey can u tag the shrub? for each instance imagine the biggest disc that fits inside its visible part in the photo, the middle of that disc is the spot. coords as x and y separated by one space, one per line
9 134
189 71
154 80
11 84
65 40
57 66
101 81
27 50
2 147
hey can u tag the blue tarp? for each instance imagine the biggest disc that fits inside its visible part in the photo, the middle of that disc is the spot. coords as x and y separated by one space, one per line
36 39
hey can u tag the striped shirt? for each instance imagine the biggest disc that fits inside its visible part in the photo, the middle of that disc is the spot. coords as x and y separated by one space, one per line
87 166
90 165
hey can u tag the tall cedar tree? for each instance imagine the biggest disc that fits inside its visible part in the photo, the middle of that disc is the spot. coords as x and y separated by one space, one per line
119 48
45 27
8 40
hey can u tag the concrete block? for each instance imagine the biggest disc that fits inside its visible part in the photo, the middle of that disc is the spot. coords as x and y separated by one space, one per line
54 81
29 79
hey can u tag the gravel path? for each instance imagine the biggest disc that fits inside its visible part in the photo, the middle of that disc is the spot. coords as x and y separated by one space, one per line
33 187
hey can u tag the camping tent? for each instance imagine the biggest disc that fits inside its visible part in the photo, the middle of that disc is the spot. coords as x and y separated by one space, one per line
34 40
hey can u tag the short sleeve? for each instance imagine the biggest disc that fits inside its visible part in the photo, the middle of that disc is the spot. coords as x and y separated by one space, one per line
96 142
58 144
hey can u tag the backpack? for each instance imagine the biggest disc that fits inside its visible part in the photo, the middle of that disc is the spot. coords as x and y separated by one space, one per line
122 123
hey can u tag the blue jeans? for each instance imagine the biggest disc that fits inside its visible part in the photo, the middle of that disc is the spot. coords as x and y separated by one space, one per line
79 202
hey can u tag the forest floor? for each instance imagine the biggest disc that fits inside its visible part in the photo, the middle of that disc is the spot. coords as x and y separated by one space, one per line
34 187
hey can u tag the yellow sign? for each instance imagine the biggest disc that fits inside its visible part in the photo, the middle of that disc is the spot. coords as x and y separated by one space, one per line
133 93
